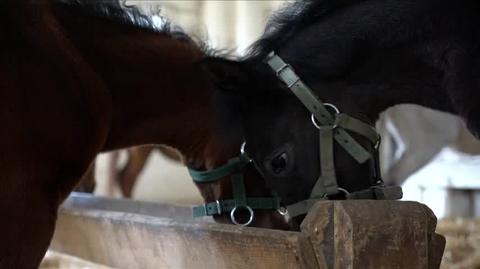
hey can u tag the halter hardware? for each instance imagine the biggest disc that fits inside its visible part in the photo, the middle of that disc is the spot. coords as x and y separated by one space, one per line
234 219
234 168
333 128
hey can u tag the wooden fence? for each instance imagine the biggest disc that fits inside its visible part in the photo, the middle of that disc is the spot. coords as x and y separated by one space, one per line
335 234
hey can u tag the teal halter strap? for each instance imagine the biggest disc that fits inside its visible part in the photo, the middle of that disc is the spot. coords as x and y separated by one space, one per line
286 73
234 168
332 128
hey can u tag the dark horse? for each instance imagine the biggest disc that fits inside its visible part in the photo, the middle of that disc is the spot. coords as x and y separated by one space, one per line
81 77
360 56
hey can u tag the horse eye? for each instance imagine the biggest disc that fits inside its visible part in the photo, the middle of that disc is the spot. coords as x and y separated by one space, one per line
279 163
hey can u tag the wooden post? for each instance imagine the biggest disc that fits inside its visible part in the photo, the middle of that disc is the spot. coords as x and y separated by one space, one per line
374 234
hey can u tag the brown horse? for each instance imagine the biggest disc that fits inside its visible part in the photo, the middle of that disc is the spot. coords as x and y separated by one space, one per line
85 77
127 176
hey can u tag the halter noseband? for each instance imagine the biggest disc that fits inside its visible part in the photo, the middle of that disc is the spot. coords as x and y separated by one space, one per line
234 168
333 128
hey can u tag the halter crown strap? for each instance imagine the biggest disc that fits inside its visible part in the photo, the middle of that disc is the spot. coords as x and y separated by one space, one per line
286 73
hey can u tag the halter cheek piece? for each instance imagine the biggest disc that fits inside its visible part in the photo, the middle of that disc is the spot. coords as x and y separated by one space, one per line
333 128
234 168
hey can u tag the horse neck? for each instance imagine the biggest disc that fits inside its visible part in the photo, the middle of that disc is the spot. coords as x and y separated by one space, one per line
158 93
386 79
399 78
379 68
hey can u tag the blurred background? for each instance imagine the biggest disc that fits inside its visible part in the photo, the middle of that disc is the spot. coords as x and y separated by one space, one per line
431 154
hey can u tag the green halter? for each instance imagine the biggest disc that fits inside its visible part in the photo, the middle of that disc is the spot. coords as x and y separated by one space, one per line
234 168
332 128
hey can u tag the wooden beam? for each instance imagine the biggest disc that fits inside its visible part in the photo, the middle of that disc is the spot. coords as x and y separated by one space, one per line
335 234
124 240
88 201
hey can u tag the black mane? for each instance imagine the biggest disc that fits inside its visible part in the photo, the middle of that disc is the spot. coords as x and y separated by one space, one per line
283 24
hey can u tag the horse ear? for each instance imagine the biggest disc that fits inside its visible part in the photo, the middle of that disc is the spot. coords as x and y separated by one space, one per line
226 75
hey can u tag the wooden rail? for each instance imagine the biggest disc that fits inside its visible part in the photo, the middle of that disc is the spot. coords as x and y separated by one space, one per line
340 234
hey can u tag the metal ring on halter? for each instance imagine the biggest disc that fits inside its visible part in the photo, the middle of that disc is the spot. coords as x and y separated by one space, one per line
344 191
337 111
234 220
242 147
283 210
379 141
315 123
243 153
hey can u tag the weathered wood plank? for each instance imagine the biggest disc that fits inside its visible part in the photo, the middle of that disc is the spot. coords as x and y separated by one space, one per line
124 240
374 234
335 234
88 201
55 260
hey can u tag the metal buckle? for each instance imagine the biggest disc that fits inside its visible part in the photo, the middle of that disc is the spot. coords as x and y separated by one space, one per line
293 83
282 210
279 75
280 70
234 220
219 208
